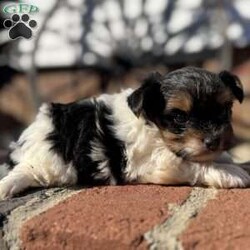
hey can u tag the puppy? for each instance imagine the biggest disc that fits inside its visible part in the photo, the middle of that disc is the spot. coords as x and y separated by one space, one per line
169 131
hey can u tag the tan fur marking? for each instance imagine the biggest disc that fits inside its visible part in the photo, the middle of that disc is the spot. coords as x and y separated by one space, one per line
181 100
192 138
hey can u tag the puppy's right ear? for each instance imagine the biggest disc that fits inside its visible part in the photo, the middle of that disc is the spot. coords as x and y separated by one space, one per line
148 99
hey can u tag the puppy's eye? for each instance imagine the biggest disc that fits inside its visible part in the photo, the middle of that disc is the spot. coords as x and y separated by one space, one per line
179 116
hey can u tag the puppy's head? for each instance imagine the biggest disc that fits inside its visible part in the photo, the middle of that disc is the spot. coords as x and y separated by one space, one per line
192 109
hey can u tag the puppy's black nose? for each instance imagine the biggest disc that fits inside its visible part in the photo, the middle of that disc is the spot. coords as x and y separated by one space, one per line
212 143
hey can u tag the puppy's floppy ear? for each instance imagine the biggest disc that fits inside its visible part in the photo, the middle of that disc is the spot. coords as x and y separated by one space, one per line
234 83
148 100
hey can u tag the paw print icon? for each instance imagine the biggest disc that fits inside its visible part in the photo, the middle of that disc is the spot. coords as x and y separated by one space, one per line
20 26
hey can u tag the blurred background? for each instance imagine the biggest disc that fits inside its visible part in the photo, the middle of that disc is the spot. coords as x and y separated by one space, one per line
81 48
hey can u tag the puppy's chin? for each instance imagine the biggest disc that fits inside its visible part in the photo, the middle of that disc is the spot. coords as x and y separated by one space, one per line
203 157
198 155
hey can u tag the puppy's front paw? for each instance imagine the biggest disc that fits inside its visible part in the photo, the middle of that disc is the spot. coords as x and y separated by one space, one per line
245 166
241 180
234 177
225 176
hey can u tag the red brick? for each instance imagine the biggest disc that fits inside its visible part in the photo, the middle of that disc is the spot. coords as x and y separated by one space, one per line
222 224
102 218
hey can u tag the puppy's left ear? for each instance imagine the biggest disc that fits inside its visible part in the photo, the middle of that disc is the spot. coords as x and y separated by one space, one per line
234 83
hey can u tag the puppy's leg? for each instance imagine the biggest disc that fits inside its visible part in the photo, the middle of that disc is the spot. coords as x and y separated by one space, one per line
226 158
17 180
223 176
24 176
219 175
245 166
183 173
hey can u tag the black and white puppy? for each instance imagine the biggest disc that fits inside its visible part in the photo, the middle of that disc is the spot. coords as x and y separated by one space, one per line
169 131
